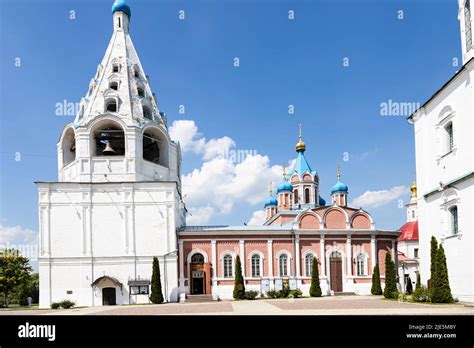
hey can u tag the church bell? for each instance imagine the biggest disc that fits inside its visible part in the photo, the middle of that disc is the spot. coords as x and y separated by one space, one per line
109 150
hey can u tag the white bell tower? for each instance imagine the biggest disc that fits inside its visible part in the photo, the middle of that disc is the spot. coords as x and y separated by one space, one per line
466 21
117 202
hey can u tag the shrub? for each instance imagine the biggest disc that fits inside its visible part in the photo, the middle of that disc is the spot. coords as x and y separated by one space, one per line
66 304
273 294
55 305
251 294
418 280
315 289
390 290
297 293
376 287
285 292
156 292
440 289
421 294
239 287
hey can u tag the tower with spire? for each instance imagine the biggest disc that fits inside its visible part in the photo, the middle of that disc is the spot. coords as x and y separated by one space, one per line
117 202
339 191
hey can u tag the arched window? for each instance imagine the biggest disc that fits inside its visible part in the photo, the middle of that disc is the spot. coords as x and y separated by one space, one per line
109 140
255 263
140 91
115 67
306 196
113 85
69 147
296 198
283 265
111 105
151 149
136 72
197 258
308 263
449 136
228 266
361 263
454 219
147 113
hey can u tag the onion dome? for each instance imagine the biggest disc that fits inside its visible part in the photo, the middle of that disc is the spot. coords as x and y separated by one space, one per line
271 201
285 185
339 187
413 189
322 201
121 5
300 146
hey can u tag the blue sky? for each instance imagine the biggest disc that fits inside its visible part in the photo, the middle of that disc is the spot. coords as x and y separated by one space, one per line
190 62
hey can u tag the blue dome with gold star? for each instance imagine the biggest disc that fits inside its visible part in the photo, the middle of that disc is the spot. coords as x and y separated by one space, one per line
121 5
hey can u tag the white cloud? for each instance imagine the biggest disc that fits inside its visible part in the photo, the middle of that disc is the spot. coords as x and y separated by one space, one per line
258 218
17 235
223 180
375 199
187 134
199 215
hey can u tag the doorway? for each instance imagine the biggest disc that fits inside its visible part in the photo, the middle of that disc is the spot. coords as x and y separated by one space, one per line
198 276
335 262
108 297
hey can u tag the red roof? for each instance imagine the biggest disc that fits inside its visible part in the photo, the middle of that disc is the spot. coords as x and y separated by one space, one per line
402 258
409 231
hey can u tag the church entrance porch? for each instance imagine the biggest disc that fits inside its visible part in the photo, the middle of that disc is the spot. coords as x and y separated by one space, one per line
198 275
109 297
335 264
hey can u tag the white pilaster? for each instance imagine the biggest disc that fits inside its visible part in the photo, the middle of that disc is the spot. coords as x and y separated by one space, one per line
298 257
242 256
322 257
181 263
214 265
349 255
373 251
270 258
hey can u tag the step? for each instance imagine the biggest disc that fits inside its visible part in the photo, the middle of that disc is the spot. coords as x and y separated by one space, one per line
199 298
344 294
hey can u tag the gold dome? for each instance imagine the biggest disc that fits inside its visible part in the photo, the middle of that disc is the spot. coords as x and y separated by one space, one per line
300 146
413 189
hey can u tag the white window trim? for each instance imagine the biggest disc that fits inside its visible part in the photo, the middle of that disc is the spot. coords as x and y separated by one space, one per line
366 263
288 265
221 259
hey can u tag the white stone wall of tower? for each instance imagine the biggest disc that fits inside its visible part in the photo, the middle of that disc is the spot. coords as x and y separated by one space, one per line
435 167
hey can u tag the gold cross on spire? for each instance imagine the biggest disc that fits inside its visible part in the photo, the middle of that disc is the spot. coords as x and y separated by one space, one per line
338 171
301 146
270 188
284 171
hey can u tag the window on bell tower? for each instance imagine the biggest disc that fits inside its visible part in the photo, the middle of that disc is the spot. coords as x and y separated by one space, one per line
467 24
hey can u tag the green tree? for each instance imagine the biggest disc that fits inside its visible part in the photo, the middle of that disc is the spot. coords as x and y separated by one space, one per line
390 290
14 271
418 280
30 288
440 289
315 289
239 287
376 286
156 292
434 250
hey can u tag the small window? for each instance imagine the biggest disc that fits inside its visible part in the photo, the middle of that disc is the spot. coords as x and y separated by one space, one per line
449 136
228 266
454 220
197 258
147 113
283 263
296 199
136 72
360 264
119 23
308 262
306 196
412 213
114 85
140 91
111 105
256 266
115 68
415 253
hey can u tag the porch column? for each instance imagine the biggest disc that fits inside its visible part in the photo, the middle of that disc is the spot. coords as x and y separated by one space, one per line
349 256
322 256
181 263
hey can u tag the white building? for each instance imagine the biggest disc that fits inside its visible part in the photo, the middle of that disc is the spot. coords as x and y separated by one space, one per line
444 140
408 244
117 202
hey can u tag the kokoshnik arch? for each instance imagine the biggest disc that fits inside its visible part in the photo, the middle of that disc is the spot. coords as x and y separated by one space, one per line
118 203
